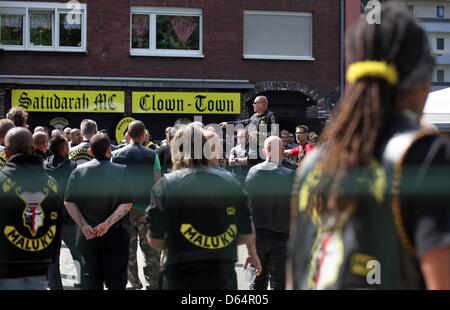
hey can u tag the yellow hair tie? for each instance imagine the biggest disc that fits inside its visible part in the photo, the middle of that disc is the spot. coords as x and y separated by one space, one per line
377 69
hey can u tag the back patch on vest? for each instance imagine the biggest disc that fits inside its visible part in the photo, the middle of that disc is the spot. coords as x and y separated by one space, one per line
33 217
326 261
209 242
80 156
2 158
327 254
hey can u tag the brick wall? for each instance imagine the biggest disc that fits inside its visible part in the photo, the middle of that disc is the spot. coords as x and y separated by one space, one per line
109 35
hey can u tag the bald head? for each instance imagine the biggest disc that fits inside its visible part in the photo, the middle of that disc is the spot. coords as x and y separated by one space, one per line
39 128
197 123
274 149
18 140
56 132
40 140
75 136
263 100
260 104
67 133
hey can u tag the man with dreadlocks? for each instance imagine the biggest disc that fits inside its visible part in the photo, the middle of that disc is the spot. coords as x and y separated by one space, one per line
374 199
198 214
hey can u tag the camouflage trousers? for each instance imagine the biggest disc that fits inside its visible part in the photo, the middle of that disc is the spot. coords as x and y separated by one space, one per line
151 256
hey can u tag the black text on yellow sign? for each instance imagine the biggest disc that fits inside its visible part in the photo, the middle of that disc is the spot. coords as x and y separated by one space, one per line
69 101
186 103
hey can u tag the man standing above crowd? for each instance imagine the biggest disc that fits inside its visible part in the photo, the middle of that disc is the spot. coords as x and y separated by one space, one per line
80 153
259 128
97 198
269 185
30 216
144 170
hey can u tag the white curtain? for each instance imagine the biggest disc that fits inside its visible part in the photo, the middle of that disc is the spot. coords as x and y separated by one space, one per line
12 21
41 20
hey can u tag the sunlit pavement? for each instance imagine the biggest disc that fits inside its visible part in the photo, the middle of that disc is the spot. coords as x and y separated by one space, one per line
69 274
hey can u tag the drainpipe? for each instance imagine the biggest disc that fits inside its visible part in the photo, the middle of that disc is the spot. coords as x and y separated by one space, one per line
342 47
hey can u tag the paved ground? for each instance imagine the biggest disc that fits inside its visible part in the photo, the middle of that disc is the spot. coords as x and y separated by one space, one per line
69 274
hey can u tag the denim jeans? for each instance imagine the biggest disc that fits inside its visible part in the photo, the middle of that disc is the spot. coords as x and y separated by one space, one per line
68 234
24 283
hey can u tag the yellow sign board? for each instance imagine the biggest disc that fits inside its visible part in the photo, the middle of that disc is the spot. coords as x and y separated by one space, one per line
122 127
69 101
186 103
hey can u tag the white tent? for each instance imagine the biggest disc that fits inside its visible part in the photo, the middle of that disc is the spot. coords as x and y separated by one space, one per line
437 109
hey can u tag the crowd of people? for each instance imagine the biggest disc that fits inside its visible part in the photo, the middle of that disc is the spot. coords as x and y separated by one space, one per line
312 214
104 212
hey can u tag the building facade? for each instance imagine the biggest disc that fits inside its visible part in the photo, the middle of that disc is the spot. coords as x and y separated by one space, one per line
435 18
161 60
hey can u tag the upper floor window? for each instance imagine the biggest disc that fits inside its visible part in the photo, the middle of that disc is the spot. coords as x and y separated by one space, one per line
168 32
440 44
440 11
440 75
411 9
42 26
277 35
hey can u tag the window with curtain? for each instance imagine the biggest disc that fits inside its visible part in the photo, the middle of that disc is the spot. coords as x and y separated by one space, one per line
41 29
11 30
177 32
42 26
166 32
140 27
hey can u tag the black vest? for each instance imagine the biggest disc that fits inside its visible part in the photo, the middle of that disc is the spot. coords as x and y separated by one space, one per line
368 249
204 207
140 165
30 217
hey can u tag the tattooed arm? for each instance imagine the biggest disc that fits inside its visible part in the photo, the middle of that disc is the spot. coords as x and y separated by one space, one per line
120 212
76 215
